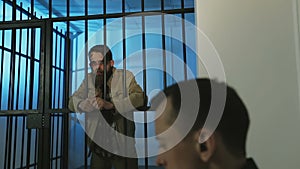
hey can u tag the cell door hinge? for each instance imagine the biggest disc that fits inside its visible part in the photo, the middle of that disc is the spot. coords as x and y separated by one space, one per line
37 121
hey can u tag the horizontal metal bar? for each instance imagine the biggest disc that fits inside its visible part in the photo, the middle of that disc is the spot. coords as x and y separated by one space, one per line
26 112
21 24
18 53
128 14
58 68
23 11
17 112
64 110
29 166
56 157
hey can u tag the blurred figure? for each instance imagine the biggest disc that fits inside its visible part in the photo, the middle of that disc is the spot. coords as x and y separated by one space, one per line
202 146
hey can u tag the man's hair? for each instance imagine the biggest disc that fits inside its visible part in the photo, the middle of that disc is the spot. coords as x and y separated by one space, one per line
234 123
104 50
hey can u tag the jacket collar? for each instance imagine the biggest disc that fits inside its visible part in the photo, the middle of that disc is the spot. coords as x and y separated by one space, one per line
250 164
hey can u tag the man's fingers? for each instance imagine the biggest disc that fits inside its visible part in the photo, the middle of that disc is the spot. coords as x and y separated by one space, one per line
96 105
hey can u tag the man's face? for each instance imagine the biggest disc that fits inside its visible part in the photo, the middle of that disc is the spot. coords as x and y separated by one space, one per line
182 156
97 64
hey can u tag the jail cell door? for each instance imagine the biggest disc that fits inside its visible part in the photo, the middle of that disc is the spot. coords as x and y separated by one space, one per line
30 131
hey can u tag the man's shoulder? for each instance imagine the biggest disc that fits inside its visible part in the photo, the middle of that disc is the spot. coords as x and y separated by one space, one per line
250 164
120 72
89 75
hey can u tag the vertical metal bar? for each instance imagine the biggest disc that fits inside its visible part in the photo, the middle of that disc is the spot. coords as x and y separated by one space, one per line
124 47
57 138
58 116
15 141
68 57
164 44
25 94
125 94
1 88
50 9
52 140
45 89
11 90
14 10
68 8
32 9
8 140
66 90
13 60
65 138
36 148
183 38
22 141
2 54
55 60
32 53
38 144
21 12
17 101
104 7
25 101
60 71
105 43
144 82
47 41
4 10
12 71
54 94
31 81
63 145
86 153
19 65
28 148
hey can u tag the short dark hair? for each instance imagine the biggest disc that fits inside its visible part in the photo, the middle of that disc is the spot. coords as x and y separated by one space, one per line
104 50
234 123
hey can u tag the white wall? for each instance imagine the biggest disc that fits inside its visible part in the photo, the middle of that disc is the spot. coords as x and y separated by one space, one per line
256 43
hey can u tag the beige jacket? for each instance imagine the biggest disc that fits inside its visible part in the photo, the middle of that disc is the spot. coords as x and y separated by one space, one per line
134 97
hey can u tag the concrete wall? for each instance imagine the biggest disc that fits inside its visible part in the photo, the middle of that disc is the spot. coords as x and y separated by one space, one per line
258 45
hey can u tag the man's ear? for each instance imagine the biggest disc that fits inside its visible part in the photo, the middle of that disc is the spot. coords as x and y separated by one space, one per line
206 144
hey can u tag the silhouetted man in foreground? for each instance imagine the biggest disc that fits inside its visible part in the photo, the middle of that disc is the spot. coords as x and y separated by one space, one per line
201 146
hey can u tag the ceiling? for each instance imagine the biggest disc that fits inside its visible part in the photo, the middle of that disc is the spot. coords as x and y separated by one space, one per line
77 8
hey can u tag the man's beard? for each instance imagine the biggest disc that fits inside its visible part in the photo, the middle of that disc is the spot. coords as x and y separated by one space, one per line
99 79
99 84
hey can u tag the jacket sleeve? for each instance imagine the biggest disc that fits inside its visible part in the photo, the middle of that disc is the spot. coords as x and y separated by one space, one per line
79 95
135 96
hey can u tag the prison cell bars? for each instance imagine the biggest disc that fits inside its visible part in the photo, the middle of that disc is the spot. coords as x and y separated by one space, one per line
13 108
68 48
10 156
105 16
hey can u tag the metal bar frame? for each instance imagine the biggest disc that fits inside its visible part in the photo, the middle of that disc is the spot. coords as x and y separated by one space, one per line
144 14
45 65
